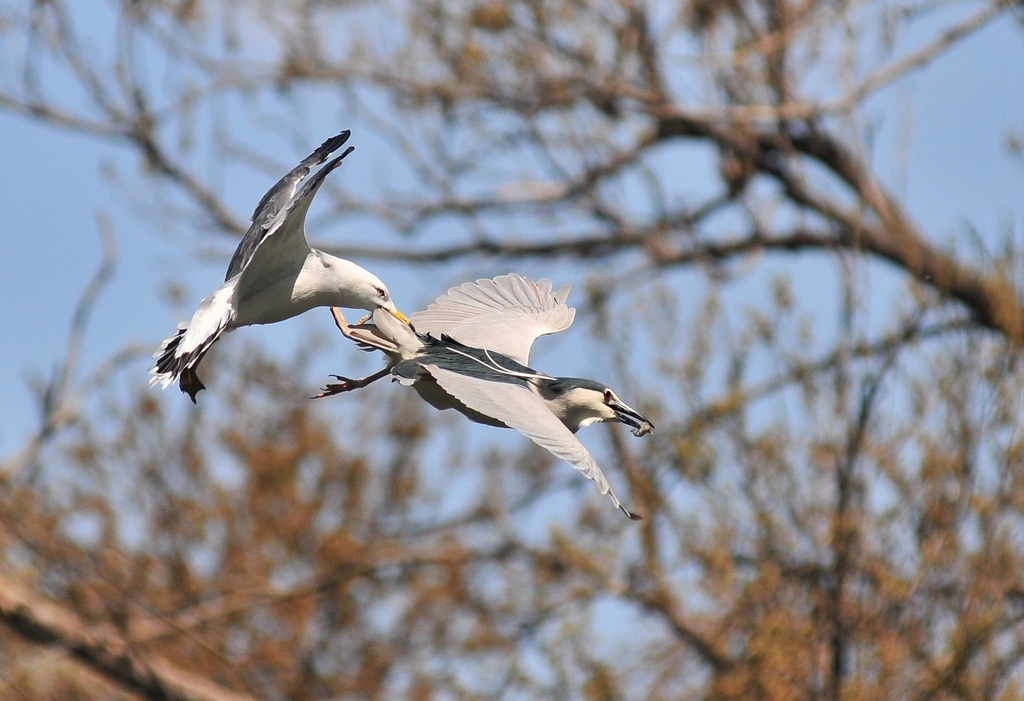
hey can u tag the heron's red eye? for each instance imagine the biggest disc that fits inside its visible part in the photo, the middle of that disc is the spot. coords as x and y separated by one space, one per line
607 395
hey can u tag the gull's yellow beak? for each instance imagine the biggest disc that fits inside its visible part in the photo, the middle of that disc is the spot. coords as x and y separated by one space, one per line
400 316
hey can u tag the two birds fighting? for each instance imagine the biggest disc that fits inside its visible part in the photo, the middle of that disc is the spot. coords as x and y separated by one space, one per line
468 350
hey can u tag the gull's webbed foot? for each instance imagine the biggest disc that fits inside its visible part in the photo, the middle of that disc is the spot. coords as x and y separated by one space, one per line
190 384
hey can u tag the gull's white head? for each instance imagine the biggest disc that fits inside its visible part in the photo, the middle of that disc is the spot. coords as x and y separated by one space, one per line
355 287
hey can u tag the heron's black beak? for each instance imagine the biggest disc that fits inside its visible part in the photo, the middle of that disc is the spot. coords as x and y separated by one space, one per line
631 417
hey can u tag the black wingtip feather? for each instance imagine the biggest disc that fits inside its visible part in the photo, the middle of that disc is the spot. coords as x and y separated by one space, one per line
631 515
325 149
300 171
330 145
165 360
318 177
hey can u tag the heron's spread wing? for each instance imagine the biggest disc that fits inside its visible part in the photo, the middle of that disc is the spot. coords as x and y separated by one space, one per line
281 213
504 314
518 407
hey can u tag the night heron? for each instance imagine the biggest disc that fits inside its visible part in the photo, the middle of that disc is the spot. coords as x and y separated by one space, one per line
469 351
273 275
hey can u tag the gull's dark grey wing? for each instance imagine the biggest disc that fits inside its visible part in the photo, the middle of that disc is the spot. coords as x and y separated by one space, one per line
283 249
277 198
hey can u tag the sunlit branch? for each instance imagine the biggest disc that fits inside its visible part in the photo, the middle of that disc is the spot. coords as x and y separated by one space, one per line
915 59
378 558
736 400
104 651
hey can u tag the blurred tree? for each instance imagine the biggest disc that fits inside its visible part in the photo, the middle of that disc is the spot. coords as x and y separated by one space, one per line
833 510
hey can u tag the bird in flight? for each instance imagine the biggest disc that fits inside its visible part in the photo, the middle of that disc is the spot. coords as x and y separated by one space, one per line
469 350
273 275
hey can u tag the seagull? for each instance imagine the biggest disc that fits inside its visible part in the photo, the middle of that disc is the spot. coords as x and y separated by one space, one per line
273 275
469 351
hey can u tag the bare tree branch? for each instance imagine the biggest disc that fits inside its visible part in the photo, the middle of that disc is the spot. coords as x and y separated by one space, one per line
895 238
60 399
107 653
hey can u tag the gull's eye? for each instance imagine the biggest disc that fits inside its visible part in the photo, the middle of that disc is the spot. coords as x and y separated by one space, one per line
382 293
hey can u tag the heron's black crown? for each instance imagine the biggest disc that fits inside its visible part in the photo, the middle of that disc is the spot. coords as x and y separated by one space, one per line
559 385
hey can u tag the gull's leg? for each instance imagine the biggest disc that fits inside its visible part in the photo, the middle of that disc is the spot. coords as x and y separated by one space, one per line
339 321
190 383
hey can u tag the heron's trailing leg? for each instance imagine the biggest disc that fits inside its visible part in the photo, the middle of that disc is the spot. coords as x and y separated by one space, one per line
347 384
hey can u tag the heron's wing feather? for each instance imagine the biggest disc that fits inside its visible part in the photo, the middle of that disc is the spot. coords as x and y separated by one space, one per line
505 314
518 407
267 218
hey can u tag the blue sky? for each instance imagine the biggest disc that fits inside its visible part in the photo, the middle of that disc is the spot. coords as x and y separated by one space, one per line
957 113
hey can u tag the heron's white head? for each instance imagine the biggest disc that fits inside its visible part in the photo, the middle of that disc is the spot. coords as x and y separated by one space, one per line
578 403
355 287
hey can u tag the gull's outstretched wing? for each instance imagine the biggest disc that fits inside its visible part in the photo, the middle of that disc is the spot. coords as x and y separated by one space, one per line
505 314
515 405
281 214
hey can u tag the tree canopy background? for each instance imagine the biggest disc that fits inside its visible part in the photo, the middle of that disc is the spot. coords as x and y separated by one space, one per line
808 278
